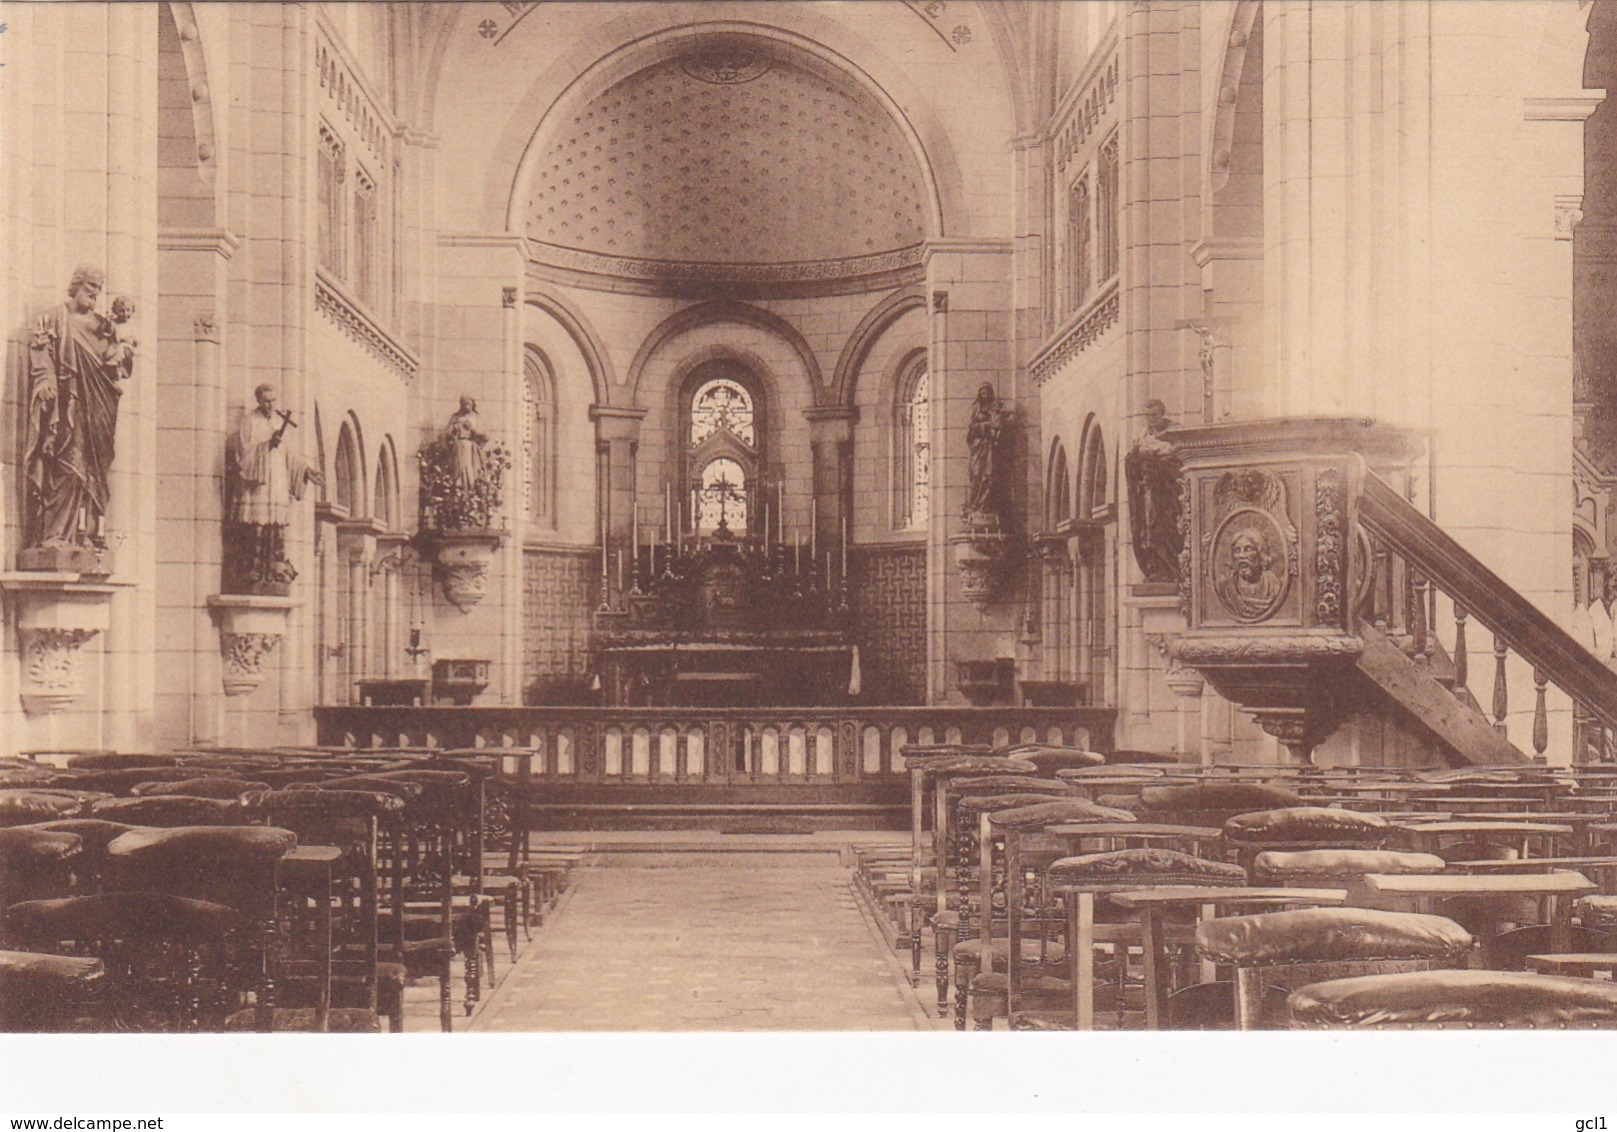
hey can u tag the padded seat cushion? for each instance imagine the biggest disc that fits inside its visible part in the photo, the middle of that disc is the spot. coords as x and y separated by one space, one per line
1140 868
25 846
1238 796
1112 770
1049 758
1330 935
26 807
1042 814
1598 912
95 833
993 803
26 970
250 845
997 982
999 950
1306 825
121 915
229 788
1022 784
108 760
961 766
171 811
331 804
1506 999
302 1020
1279 865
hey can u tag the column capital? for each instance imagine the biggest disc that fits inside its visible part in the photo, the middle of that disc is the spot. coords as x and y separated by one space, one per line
617 422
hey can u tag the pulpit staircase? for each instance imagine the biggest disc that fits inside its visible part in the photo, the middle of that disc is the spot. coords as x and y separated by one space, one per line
1380 609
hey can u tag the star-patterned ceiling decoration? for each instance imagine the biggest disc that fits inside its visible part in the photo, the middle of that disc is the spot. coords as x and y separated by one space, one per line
672 164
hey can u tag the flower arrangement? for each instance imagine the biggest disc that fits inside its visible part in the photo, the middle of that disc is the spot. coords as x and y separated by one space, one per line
448 503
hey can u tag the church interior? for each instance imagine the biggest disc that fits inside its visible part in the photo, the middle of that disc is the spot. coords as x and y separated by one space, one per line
994 514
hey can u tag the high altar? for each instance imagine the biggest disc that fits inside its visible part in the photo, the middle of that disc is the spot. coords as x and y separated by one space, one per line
724 620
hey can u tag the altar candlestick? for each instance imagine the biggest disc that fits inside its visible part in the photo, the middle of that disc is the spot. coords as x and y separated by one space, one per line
780 511
766 526
797 552
635 537
668 512
814 531
620 571
844 546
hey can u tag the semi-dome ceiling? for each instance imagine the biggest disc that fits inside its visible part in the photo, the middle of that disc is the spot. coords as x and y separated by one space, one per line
727 154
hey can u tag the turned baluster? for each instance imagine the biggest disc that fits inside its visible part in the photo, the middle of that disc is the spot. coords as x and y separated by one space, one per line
1383 591
1541 718
1417 619
1461 663
1501 699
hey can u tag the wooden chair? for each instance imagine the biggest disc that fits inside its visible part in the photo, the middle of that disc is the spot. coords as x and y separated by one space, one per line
168 959
1083 882
234 866
1291 949
36 864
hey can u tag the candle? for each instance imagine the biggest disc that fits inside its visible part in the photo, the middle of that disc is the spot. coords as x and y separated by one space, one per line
635 537
766 526
814 530
828 568
603 548
797 553
668 511
780 511
844 546
620 571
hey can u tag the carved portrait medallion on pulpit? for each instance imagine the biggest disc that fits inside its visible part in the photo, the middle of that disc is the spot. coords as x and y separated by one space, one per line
1251 552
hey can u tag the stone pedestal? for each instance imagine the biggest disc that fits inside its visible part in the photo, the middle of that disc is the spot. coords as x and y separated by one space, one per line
463 562
57 614
982 556
250 628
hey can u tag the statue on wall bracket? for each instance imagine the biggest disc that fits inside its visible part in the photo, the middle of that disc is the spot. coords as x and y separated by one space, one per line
1151 470
982 549
265 476
462 489
78 360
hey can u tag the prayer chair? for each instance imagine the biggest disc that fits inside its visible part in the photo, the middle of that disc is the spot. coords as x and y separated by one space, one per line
29 806
172 811
229 789
167 959
1084 882
1211 803
1455 1000
1294 948
1298 828
90 863
1340 868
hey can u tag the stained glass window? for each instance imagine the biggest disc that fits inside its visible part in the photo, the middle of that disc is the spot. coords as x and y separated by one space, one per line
722 405
914 443
723 499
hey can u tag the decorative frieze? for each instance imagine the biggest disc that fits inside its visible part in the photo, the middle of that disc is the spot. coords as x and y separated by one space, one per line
1086 113
1071 339
330 301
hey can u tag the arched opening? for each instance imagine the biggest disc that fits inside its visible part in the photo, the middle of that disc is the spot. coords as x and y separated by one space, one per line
912 447
723 433
1094 549
538 438
347 474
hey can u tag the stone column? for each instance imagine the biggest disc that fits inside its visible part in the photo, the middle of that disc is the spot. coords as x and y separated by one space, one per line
831 448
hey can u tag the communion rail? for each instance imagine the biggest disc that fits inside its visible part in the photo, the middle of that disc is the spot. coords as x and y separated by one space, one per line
1414 560
715 747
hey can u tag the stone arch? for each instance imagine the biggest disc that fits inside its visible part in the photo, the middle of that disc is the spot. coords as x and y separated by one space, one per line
865 336
186 142
590 345
1057 486
348 469
385 505
1241 75
1094 474
722 311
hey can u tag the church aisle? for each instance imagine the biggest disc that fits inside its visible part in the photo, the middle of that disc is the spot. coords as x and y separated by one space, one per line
707 941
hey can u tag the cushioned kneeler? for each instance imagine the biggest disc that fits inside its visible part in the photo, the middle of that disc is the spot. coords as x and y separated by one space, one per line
979 764
1242 797
1022 783
1311 944
1456 999
1051 759
1307 827
25 807
1040 814
1302 864
1142 868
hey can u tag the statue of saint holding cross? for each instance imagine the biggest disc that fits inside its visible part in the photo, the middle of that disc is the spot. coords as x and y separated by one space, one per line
266 477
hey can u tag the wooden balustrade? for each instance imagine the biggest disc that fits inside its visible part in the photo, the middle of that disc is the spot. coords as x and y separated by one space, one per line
726 746
1413 552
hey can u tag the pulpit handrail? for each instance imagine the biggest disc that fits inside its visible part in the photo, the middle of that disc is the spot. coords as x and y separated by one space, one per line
1513 619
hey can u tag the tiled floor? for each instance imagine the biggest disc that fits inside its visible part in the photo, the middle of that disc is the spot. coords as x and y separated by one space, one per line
707 941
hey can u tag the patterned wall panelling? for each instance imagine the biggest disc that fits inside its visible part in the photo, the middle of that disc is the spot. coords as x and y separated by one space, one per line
558 594
743 160
889 605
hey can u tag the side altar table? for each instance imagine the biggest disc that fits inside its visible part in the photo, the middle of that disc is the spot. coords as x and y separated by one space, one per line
733 668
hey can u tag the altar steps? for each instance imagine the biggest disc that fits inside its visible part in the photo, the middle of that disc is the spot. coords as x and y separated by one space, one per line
738 818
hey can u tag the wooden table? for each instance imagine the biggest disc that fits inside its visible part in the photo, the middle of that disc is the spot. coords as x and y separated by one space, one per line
1149 905
1429 835
1559 888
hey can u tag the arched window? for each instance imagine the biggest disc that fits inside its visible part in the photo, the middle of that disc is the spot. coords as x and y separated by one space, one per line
345 470
538 438
723 450
386 508
912 450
